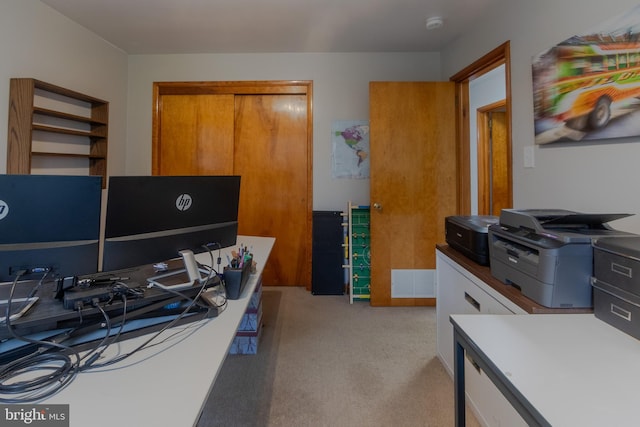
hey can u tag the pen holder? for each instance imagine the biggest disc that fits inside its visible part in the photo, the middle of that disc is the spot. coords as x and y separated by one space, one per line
236 278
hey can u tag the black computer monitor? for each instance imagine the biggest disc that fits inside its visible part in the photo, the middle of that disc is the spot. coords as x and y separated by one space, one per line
49 222
151 219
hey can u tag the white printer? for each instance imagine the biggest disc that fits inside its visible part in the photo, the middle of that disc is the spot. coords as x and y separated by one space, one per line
547 253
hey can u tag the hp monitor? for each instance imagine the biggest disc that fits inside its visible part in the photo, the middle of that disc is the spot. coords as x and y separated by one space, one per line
49 223
151 219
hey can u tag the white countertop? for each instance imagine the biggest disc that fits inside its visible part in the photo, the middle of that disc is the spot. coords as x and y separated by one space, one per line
167 384
576 370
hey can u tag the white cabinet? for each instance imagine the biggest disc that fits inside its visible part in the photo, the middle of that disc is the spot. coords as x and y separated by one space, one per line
461 292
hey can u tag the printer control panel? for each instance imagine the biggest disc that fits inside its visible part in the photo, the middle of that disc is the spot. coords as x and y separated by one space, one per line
547 240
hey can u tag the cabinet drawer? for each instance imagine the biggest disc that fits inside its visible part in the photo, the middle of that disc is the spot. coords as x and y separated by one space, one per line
457 294
478 301
487 401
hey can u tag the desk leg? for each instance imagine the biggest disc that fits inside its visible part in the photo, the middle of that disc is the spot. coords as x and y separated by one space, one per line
458 394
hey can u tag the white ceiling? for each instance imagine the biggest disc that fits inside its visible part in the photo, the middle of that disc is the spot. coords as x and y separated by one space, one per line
252 26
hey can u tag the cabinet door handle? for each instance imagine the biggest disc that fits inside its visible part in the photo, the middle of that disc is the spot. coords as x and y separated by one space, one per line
621 312
474 364
472 301
621 269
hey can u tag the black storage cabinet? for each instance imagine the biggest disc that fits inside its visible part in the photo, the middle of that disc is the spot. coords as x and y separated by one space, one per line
327 274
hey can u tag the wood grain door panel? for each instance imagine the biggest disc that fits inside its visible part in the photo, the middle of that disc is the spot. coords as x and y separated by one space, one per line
501 165
270 145
494 160
197 135
413 179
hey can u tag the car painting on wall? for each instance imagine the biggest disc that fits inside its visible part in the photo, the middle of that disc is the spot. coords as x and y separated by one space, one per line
588 86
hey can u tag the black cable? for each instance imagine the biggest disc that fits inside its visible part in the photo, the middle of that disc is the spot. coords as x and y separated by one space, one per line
94 354
114 339
62 372
216 273
159 332
60 367
35 289
211 268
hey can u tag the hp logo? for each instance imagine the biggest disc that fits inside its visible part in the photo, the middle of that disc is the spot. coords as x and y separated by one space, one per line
4 209
183 202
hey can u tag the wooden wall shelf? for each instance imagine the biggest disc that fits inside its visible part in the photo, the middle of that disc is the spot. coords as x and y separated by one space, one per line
26 116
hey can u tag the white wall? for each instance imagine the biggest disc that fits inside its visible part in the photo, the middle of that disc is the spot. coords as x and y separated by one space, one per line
36 41
589 177
340 92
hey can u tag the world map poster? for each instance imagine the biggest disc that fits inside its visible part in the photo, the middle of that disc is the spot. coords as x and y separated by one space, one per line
350 149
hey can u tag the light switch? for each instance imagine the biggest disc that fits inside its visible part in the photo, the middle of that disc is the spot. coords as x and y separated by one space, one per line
529 159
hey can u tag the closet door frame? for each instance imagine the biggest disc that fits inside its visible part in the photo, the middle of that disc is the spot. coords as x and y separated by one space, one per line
271 87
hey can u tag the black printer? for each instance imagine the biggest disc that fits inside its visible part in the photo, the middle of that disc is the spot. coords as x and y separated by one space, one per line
468 235
548 253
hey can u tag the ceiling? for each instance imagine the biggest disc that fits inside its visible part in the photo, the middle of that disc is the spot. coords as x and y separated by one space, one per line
255 26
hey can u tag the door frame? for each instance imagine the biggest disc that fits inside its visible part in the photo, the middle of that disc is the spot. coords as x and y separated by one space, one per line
498 56
253 87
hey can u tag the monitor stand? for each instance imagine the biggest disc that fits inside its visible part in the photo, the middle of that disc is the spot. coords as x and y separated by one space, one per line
168 280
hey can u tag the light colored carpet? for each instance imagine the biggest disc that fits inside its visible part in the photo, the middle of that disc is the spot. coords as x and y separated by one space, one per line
323 362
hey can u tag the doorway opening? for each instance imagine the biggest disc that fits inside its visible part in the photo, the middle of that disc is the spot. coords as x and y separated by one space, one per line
499 56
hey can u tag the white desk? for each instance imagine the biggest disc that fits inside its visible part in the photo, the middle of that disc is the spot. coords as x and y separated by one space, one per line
164 385
556 369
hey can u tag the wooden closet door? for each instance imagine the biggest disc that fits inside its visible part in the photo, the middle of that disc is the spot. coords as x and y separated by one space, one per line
260 131
270 135
197 135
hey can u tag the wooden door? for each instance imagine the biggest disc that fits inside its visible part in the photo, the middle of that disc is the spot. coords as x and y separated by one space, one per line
413 179
268 153
260 131
494 160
